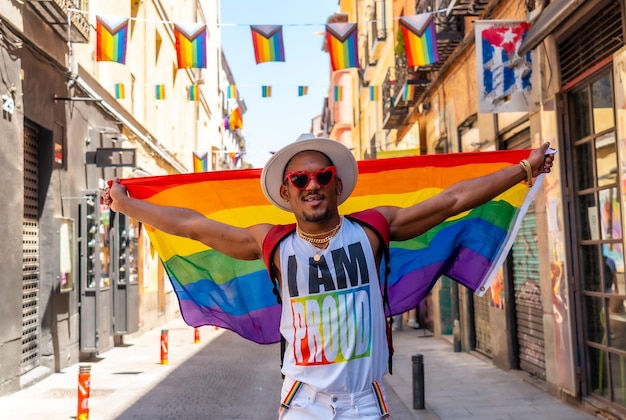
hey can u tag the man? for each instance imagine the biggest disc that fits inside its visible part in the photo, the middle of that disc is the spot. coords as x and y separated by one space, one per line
311 178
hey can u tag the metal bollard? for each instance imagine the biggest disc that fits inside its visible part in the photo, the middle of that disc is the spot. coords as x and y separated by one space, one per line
164 345
84 391
418 381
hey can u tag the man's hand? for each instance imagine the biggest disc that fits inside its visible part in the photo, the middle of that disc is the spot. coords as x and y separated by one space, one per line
113 194
540 162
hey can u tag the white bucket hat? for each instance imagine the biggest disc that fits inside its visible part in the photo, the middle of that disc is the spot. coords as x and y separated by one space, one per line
340 155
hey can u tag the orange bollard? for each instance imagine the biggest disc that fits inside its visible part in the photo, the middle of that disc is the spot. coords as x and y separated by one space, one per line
84 389
196 335
164 360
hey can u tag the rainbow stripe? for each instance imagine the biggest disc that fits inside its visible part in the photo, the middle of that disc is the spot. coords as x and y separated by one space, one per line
268 43
266 91
200 162
420 39
191 45
303 90
235 120
160 92
231 91
119 91
409 92
337 93
112 38
380 400
293 391
214 289
192 93
374 93
341 39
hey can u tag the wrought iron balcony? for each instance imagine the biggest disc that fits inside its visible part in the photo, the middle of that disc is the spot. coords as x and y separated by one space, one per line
56 13
396 103
452 7
393 114
467 7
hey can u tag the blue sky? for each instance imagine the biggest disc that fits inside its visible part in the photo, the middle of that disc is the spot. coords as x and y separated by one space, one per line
271 123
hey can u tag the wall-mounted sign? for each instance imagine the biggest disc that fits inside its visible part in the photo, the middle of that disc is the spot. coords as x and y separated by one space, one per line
7 104
111 157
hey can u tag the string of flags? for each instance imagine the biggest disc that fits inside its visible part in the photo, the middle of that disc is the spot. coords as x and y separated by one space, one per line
342 39
268 42
266 92
498 78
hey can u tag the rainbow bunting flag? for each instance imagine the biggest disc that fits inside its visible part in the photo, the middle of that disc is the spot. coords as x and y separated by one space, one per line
303 90
192 93
268 43
266 91
191 45
337 93
409 92
214 289
231 91
200 162
111 39
160 92
420 40
374 93
234 120
119 91
341 39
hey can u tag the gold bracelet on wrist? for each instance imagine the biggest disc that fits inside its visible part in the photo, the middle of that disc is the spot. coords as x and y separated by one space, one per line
529 171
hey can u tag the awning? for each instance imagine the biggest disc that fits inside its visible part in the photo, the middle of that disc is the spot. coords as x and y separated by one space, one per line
553 15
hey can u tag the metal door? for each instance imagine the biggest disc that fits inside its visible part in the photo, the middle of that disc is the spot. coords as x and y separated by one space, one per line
31 328
528 307
94 270
524 275
125 239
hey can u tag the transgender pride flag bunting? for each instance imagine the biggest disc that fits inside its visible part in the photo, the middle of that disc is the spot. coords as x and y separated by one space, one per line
341 39
190 45
268 43
111 39
420 39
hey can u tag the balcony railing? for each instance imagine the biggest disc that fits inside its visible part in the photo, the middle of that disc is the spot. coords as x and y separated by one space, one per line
55 13
395 103
456 7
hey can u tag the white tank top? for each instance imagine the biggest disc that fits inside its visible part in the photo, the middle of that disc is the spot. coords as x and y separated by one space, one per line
332 313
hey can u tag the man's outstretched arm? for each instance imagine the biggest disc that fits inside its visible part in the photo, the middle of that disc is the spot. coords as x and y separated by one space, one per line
236 242
407 223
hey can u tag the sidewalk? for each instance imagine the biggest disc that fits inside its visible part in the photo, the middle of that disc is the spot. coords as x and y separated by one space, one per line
457 385
119 377
462 385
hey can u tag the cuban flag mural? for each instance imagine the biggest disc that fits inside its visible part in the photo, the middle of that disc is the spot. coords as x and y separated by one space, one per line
505 79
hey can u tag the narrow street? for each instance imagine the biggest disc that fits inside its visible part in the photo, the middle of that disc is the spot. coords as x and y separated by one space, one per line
229 378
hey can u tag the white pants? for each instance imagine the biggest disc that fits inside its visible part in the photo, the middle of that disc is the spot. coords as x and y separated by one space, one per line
309 404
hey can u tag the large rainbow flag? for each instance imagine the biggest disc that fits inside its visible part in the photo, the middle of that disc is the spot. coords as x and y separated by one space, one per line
214 289
268 43
111 39
341 40
420 39
191 44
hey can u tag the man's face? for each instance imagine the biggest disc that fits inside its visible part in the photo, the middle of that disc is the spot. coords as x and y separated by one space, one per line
314 203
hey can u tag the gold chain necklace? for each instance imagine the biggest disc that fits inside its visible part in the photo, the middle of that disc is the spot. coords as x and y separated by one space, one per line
315 239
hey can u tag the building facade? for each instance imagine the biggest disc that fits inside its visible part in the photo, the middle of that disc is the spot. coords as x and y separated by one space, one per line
77 277
556 311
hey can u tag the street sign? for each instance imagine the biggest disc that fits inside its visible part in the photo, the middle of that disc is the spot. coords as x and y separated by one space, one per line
107 157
